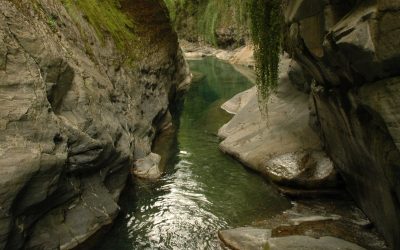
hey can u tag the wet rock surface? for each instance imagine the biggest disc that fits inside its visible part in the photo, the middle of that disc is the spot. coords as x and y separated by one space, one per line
317 218
148 167
316 224
309 243
301 169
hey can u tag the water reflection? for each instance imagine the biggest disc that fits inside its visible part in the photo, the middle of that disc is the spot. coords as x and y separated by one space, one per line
203 190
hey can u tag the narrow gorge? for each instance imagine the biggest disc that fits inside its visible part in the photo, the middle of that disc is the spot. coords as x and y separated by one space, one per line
199 124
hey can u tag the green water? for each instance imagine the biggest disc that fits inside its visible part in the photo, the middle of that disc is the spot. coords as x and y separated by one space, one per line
202 190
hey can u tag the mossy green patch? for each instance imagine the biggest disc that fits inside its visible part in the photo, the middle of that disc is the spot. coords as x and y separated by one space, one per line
108 20
172 6
52 22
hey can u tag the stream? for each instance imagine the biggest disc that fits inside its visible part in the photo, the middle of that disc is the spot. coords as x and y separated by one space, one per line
202 190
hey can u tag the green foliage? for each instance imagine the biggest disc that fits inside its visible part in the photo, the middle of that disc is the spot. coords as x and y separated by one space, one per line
263 17
52 22
209 15
172 6
108 20
267 35
208 21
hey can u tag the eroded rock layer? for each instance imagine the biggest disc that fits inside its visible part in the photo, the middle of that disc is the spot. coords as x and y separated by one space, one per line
76 110
351 50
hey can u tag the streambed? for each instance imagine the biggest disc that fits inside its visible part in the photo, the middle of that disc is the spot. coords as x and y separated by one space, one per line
202 190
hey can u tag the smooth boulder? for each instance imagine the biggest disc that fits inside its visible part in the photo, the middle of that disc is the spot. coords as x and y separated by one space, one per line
148 167
245 238
281 145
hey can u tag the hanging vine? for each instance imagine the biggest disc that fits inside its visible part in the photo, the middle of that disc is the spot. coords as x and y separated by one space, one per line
266 31
265 19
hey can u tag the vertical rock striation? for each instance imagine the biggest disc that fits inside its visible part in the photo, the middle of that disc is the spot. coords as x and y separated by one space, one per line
75 113
351 50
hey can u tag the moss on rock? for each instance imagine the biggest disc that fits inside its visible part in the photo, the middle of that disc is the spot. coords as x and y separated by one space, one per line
108 20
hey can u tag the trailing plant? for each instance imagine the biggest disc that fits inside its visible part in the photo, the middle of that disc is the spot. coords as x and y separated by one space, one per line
208 16
263 17
267 35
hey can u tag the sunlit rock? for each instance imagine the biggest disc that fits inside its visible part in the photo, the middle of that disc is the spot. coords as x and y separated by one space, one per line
281 145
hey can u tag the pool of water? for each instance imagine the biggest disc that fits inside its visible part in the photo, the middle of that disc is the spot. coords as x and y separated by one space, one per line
202 190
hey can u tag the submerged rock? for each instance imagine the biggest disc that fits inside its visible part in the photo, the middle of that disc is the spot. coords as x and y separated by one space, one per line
308 243
250 238
318 218
148 167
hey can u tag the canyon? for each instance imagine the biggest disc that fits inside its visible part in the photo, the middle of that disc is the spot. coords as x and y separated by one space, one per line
89 89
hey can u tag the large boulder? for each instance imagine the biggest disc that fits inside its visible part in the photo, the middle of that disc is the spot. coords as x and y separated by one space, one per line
148 167
245 238
282 145
302 169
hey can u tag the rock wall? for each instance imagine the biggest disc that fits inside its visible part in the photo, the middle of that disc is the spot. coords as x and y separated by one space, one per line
75 112
351 50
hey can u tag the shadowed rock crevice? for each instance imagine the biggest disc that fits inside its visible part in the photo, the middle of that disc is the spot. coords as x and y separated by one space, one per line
352 55
59 77
74 115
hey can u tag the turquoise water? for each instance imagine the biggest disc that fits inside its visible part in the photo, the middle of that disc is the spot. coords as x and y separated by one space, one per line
202 190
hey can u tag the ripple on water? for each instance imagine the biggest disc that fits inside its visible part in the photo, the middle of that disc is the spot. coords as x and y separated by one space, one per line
203 190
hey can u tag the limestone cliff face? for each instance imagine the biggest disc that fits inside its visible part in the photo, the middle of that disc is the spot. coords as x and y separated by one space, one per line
351 50
74 115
